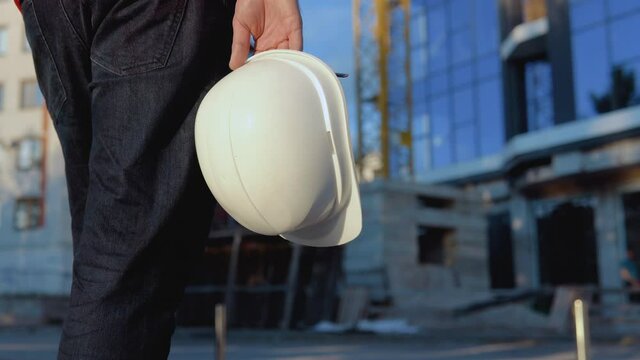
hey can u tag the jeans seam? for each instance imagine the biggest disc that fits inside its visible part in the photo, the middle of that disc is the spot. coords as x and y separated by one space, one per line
63 97
175 25
160 60
73 28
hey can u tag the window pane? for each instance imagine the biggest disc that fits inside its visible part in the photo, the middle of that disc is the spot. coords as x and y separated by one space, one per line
438 39
419 89
420 155
4 39
620 91
418 63
29 153
586 12
630 84
439 83
486 26
440 115
590 69
441 142
420 120
619 7
465 143
462 75
463 108
31 95
461 46
624 42
490 116
460 13
419 26
27 213
488 66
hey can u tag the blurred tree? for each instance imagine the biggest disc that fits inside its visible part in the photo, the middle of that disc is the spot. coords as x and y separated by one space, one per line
621 94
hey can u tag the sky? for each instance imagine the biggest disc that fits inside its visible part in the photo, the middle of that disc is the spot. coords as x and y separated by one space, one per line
328 34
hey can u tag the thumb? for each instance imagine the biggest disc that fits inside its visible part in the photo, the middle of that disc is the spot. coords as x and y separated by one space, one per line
241 45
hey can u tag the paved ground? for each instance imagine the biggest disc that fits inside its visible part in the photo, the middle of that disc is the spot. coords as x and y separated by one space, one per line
40 344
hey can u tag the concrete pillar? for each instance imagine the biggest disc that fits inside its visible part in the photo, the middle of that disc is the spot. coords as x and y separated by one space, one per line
609 219
525 242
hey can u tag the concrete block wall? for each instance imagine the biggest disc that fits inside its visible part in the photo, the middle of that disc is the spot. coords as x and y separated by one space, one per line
389 245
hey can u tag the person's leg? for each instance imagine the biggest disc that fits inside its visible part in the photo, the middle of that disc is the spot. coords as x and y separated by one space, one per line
147 207
64 82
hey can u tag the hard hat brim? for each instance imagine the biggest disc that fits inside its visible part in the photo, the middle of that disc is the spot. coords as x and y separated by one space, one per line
337 230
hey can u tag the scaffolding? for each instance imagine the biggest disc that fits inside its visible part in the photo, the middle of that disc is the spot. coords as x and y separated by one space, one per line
383 86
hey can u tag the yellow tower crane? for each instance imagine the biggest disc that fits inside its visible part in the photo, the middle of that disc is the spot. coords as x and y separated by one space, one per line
383 83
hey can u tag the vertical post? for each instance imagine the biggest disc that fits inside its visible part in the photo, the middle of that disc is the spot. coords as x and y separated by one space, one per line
292 280
221 331
406 7
581 317
383 37
229 296
357 32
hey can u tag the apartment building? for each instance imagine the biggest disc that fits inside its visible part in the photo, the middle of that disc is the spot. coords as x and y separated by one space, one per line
35 240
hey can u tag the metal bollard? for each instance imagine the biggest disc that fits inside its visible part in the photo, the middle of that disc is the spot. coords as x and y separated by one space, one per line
221 331
581 319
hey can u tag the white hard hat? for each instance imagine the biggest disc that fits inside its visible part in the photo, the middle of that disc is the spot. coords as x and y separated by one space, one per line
273 144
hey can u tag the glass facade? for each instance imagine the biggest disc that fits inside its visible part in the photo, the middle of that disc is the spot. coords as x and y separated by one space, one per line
606 54
538 89
457 86
458 112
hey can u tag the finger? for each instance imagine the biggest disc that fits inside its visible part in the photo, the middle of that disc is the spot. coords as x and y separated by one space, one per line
295 40
240 46
284 45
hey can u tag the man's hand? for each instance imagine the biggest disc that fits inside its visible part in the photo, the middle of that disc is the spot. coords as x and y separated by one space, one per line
274 24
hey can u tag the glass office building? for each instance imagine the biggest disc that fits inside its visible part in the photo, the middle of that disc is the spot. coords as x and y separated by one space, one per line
534 103
485 71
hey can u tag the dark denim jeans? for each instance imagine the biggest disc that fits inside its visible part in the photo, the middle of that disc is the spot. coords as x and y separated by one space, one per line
122 80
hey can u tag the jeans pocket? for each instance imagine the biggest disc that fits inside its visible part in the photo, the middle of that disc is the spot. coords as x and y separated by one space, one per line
137 35
46 69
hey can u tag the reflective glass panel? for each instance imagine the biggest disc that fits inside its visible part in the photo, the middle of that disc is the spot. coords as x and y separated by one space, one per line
486 26
437 39
441 141
465 143
463 108
620 7
490 116
590 69
586 12
624 38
